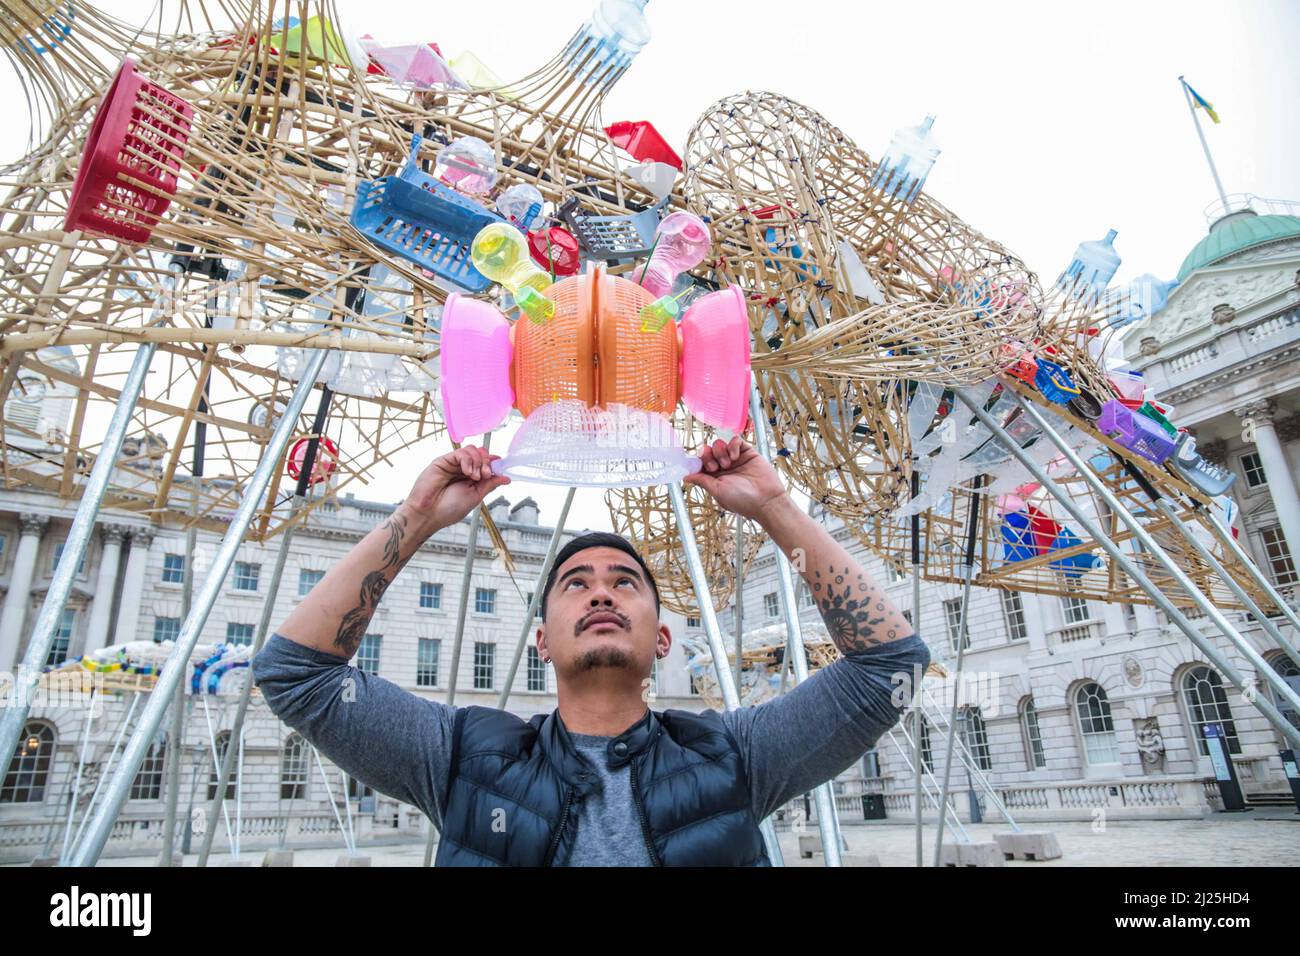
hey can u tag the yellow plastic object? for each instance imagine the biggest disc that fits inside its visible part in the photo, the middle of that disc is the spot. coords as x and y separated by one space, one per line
318 39
474 72
500 253
661 311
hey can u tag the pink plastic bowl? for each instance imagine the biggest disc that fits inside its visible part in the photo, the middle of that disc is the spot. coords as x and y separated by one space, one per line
475 367
715 359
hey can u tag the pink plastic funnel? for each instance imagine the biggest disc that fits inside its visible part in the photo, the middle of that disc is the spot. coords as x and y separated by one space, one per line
715 359
475 367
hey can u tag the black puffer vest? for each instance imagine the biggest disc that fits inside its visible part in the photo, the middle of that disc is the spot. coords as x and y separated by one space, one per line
515 791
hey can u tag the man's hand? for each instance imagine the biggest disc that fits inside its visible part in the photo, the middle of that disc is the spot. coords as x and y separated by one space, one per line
738 477
450 488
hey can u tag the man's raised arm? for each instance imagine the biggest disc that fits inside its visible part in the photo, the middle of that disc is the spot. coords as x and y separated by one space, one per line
333 617
794 742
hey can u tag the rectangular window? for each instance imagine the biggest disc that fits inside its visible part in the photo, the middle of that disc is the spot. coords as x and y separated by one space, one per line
692 622
239 633
58 553
908 614
772 604
62 637
484 665
246 575
485 601
166 628
426 664
4 541
173 569
1253 470
894 573
806 591
537 614
147 784
368 653
1278 555
1013 612
695 686
536 670
952 618
1075 609
308 579
430 595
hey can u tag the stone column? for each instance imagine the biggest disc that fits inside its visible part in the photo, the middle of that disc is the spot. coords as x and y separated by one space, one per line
101 608
1257 418
12 618
128 614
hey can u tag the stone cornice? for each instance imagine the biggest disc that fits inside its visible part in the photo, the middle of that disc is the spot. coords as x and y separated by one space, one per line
1200 386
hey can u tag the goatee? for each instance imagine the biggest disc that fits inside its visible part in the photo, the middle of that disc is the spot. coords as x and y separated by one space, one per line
603 657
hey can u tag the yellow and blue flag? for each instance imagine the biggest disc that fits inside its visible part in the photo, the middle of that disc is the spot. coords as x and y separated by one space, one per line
1200 101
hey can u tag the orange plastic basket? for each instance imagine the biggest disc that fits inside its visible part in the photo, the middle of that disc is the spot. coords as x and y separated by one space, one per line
593 349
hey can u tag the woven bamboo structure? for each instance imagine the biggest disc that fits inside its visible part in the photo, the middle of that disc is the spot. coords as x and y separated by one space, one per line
855 295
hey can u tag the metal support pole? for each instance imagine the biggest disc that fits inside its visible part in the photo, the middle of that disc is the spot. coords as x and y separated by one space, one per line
1153 548
28 673
268 608
329 795
917 716
471 545
740 595
822 794
968 761
108 763
1232 544
1117 555
172 672
968 571
928 778
1242 595
76 783
535 602
713 632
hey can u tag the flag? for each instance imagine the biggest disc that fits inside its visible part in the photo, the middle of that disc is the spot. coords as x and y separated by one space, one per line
1200 101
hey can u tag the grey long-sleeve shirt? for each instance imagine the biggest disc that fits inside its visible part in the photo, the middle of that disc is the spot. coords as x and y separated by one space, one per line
400 744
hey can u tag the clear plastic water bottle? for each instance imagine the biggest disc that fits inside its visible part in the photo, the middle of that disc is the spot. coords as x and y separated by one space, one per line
1140 299
607 43
1093 266
681 242
517 201
468 164
907 162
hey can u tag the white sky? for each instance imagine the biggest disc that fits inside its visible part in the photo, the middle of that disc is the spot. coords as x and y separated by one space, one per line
1057 121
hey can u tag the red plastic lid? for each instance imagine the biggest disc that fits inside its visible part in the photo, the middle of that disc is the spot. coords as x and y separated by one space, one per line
327 459
563 258
643 142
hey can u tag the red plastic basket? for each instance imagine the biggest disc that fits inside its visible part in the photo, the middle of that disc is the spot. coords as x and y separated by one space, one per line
128 171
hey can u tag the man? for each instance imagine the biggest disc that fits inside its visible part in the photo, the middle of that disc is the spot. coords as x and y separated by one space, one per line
604 779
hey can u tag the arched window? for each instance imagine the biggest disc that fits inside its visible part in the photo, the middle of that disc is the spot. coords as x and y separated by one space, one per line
975 736
1207 703
30 768
223 742
1289 672
1092 708
293 769
1035 758
147 784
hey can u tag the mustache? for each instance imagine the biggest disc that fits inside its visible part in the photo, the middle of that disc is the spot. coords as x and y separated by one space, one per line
623 619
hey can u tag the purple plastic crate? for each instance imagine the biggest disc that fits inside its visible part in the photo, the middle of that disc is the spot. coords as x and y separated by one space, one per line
1137 433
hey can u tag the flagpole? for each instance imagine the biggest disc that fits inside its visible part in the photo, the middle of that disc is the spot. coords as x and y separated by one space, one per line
1204 145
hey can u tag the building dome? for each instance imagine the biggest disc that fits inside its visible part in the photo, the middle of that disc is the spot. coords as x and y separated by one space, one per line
1237 232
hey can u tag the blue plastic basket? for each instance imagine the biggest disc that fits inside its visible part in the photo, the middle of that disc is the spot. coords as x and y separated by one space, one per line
613 238
414 216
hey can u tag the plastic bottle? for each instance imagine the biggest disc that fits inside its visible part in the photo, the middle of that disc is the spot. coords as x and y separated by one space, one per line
468 164
1142 298
681 242
907 162
1091 269
605 46
516 202
500 252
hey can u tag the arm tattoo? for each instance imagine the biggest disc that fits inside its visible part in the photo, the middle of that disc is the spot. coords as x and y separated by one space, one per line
852 608
353 626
